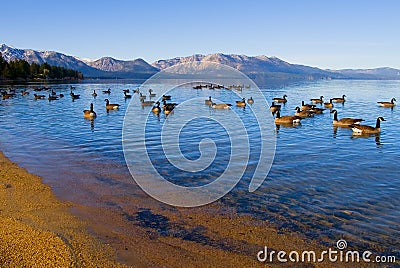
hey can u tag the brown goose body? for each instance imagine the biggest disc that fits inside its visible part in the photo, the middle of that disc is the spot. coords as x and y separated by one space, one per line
111 106
328 104
342 99
39 97
225 106
304 113
364 129
388 104
287 119
320 100
89 113
317 110
283 99
241 103
274 108
209 101
344 122
306 106
151 94
250 100
156 109
147 103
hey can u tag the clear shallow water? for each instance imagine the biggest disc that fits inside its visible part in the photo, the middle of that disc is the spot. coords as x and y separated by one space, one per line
323 182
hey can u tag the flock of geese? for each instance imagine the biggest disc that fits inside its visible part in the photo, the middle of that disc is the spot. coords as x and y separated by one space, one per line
302 111
308 110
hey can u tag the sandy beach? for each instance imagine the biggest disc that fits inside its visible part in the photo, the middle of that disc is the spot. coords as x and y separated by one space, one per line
38 230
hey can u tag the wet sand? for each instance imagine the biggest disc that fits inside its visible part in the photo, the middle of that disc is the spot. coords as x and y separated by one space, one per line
39 230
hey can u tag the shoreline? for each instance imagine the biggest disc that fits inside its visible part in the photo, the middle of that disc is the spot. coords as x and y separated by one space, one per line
39 229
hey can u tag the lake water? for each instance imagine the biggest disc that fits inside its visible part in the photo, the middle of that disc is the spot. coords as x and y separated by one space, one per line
324 182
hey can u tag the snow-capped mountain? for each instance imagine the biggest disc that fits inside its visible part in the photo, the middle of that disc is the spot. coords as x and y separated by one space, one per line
112 65
256 67
245 64
104 67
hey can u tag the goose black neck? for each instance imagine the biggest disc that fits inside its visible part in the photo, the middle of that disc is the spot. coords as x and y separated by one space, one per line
278 114
378 123
335 116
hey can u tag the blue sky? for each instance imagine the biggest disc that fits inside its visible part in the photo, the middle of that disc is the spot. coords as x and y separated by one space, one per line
325 34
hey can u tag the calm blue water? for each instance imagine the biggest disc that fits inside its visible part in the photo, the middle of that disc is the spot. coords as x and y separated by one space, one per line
324 182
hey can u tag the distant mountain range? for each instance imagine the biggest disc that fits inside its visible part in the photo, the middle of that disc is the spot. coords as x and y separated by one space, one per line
259 67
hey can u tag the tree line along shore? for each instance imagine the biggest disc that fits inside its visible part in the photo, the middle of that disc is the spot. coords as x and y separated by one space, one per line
23 70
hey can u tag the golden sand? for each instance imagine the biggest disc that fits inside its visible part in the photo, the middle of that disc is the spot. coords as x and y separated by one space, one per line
37 230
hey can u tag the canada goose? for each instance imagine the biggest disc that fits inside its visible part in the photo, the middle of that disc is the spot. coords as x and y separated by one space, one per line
136 91
317 100
339 99
74 96
111 106
287 119
24 92
209 101
387 103
151 94
51 98
168 106
6 95
241 103
363 129
156 109
89 113
221 106
166 97
61 95
126 90
283 99
274 108
168 109
303 114
94 94
108 91
250 101
344 122
328 104
317 110
306 106
147 103
142 97
39 97
71 87
127 96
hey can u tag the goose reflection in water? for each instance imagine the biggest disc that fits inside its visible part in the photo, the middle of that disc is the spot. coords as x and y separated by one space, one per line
289 125
368 136
91 123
